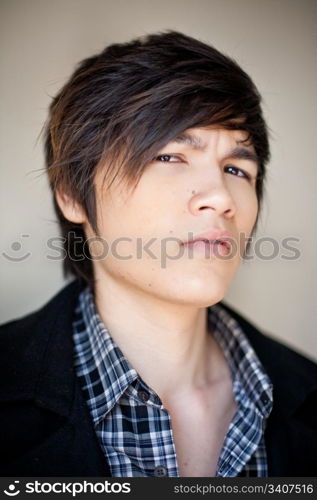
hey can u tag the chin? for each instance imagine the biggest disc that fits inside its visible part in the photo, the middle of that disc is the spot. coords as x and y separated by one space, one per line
198 292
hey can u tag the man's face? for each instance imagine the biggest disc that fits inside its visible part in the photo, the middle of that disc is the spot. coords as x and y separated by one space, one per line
198 183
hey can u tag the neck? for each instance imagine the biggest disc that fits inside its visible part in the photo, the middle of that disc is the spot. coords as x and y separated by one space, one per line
168 344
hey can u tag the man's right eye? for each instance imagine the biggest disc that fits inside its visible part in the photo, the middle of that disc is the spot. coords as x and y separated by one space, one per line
168 158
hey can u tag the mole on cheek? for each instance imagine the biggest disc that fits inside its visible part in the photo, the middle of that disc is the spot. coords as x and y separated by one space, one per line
193 191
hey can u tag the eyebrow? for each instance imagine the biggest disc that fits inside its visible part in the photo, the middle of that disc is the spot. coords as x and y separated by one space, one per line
190 140
238 153
241 153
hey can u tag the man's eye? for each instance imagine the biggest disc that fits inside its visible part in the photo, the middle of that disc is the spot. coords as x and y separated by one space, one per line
168 158
237 171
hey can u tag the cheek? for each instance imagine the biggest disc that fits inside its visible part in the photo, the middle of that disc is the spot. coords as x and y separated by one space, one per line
246 203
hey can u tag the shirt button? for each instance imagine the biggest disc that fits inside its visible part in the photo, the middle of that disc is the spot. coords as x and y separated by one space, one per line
264 398
144 396
160 471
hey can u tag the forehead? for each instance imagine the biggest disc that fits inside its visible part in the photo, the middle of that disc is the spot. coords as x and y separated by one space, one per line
200 137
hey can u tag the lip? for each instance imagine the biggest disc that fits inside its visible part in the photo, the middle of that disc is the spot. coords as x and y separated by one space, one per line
211 236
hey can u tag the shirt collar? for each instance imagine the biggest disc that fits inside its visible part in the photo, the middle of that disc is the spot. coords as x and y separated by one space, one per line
252 385
96 351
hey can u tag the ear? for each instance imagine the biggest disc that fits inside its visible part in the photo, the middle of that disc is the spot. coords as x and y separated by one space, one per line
72 211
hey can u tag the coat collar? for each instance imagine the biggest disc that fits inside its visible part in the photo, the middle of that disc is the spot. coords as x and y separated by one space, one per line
40 357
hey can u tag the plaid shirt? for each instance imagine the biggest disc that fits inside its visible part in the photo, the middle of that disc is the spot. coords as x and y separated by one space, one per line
133 427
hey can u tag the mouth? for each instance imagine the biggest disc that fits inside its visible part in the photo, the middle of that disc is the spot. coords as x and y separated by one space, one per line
224 243
217 243
215 237
215 248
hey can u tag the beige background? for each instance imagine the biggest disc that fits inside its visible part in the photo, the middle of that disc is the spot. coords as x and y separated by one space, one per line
275 41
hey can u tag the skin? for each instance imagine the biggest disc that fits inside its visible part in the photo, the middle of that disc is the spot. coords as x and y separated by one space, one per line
156 313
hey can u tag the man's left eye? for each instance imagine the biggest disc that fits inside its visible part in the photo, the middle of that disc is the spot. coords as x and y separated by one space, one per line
237 171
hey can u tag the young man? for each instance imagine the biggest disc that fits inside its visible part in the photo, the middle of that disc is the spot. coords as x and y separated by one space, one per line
156 153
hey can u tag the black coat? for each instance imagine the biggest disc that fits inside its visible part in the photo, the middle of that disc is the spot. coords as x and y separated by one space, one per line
45 425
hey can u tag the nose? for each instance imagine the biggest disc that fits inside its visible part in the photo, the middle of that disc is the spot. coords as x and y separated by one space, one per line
215 197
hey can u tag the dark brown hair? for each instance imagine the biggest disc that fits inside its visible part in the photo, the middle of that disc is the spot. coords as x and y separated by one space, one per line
130 100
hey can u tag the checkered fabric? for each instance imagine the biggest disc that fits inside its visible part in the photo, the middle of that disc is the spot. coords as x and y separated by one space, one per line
133 427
